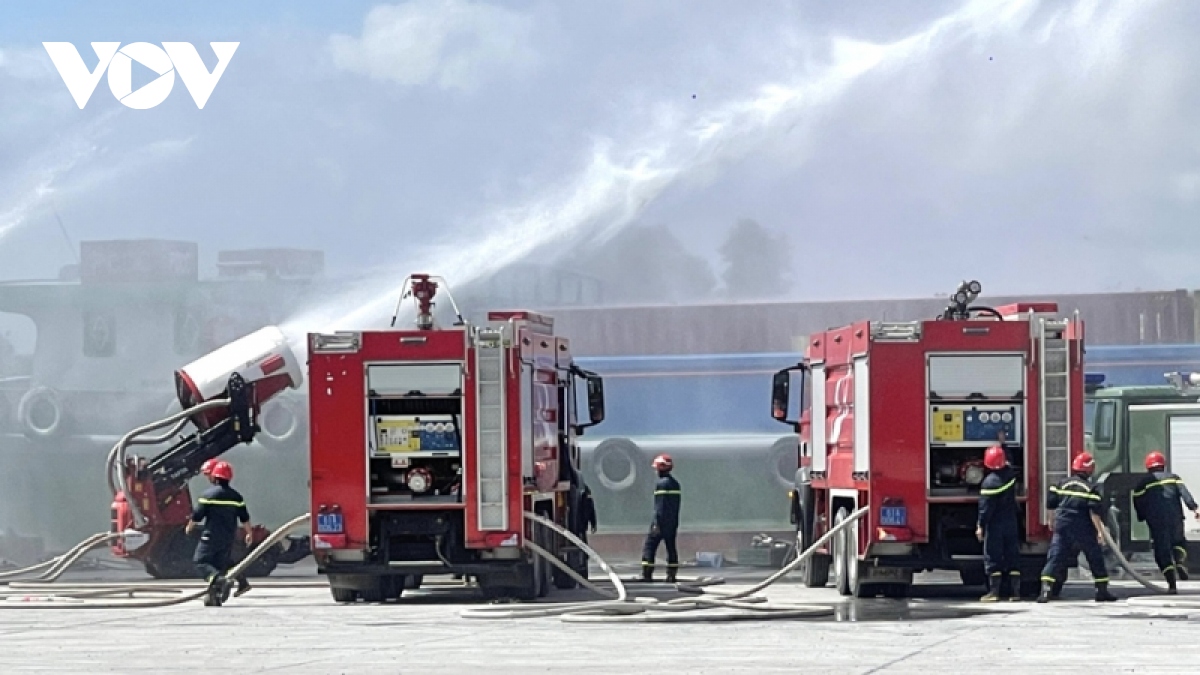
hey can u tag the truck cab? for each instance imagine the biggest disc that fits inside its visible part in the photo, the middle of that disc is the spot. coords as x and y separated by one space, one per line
1122 426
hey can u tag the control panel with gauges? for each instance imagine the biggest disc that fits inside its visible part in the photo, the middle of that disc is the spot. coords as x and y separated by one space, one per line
428 435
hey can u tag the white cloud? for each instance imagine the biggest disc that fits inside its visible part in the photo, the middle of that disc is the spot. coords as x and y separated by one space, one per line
451 44
24 64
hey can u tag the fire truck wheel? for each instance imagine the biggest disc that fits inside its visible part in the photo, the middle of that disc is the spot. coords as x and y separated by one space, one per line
375 594
841 557
814 572
544 578
973 576
40 413
343 595
392 587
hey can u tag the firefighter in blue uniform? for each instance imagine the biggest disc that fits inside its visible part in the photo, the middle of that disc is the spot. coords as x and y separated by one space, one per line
1077 509
1156 499
667 497
998 528
220 508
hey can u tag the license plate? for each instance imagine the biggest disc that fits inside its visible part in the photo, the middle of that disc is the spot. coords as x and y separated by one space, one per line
329 523
893 516
887 574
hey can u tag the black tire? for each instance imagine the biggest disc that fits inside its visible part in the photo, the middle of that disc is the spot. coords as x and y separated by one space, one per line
343 595
841 558
373 595
563 581
814 572
413 581
896 591
393 587
540 579
973 576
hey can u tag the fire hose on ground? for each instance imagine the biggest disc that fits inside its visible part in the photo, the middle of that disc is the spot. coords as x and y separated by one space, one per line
740 605
1188 600
42 593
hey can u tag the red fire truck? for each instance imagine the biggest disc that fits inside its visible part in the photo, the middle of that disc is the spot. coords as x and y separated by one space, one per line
896 417
429 446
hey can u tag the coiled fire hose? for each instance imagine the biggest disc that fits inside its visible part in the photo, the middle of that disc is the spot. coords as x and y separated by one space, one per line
738 606
41 594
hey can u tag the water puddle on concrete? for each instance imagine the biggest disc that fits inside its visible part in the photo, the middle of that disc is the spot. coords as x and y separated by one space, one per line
1150 616
874 611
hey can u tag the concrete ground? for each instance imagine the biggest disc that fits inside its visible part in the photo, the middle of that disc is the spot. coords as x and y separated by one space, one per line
300 630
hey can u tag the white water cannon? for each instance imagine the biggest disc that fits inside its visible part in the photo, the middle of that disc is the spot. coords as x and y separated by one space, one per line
263 358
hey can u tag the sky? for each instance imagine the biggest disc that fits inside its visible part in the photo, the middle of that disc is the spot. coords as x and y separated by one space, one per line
900 146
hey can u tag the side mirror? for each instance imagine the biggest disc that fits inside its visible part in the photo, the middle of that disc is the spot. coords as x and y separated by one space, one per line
781 389
595 397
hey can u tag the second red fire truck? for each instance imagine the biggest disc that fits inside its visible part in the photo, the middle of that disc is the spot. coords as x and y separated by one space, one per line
897 416
430 445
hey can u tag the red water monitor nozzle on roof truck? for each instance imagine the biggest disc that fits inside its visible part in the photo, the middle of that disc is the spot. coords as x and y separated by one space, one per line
896 416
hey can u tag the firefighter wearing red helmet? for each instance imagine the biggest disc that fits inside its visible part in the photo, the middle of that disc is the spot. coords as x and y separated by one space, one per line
998 527
667 498
206 469
1077 510
1156 500
220 508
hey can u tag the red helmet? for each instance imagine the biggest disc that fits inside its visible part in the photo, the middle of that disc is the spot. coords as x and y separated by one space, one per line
1083 463
222 471
994 458
206 468
1155 460
663 463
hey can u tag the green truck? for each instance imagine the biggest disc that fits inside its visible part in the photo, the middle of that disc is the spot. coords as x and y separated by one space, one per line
1126 423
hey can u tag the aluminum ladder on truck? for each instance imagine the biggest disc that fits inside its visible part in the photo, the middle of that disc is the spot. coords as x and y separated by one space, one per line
1054 385
492 449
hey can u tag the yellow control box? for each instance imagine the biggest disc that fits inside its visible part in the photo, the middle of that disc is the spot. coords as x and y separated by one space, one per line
946 426
397 436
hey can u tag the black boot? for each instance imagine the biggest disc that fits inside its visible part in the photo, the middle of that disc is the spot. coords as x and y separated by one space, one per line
1013 581
993 584
647 572
1102 594
1056 588
218 592
1047 592
243 587
671 574
1169 573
